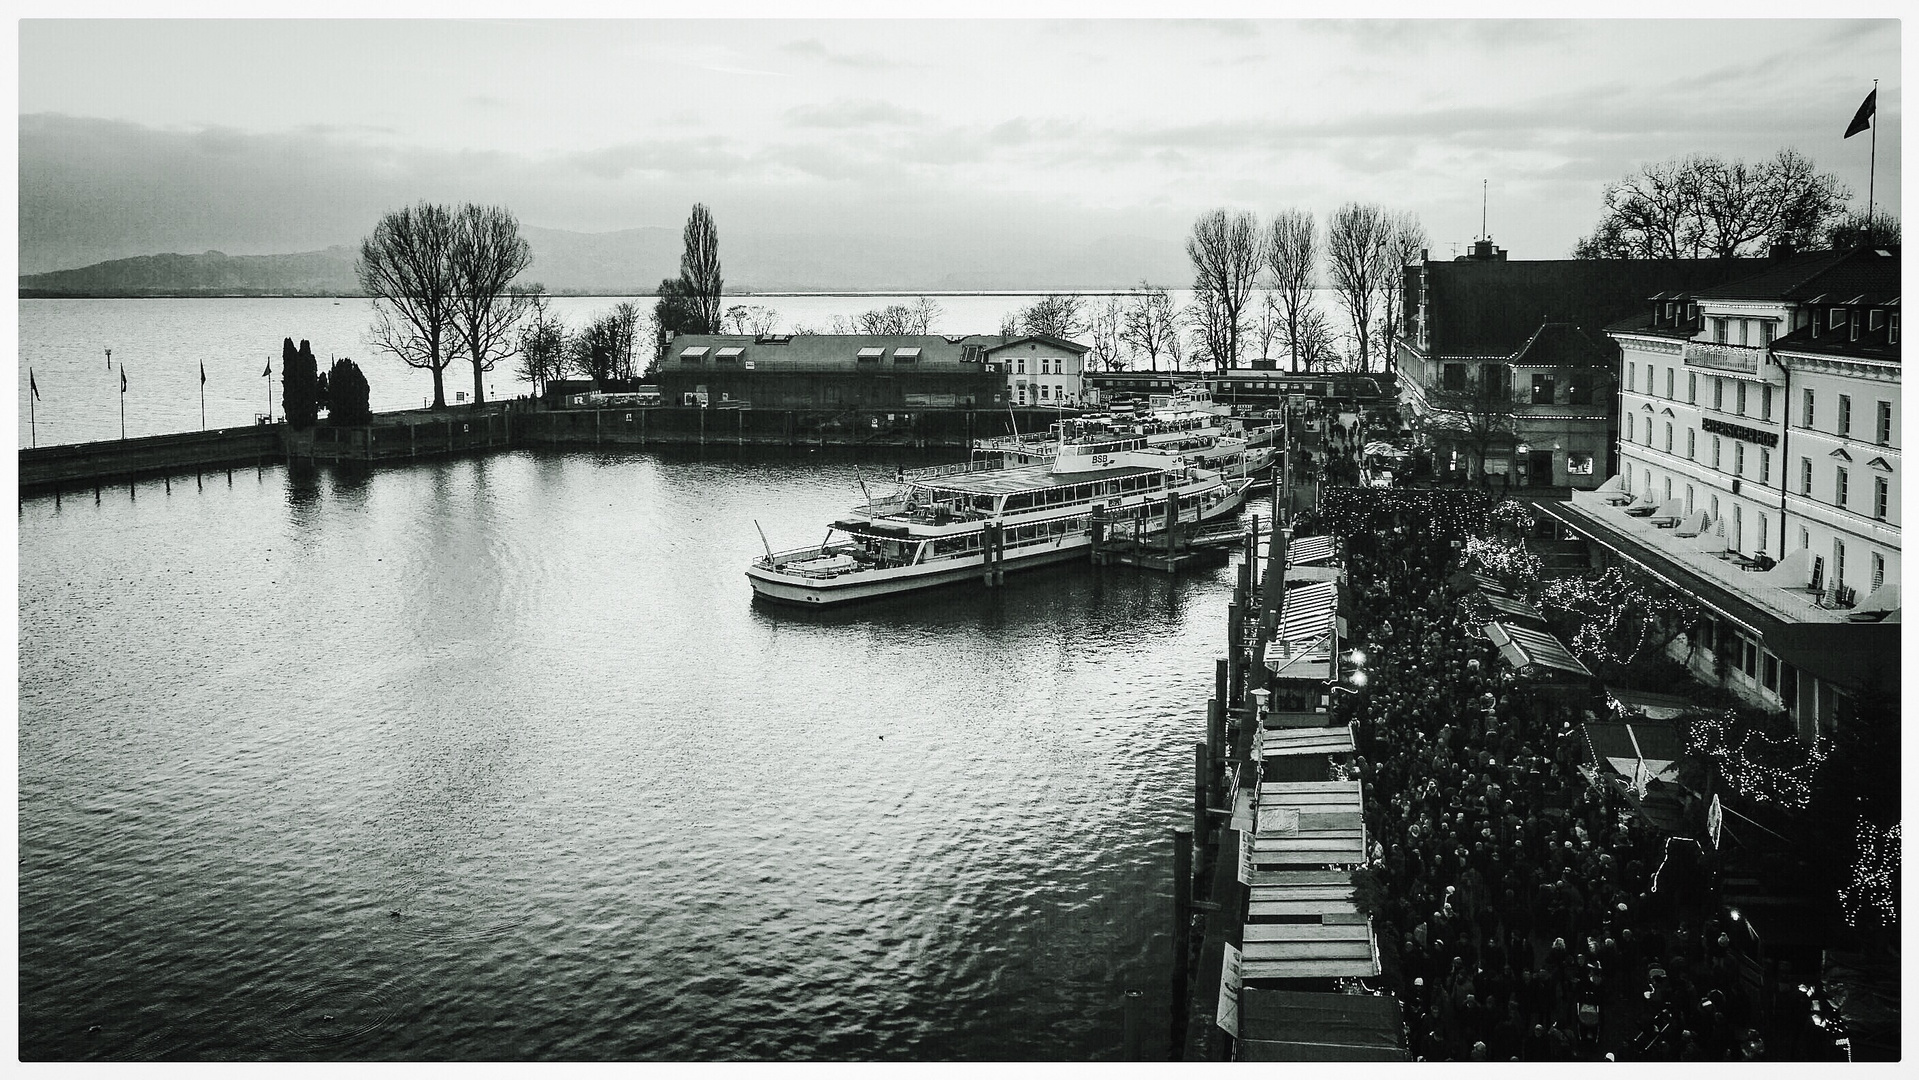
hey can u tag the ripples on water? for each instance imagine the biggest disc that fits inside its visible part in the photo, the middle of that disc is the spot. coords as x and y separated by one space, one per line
496 759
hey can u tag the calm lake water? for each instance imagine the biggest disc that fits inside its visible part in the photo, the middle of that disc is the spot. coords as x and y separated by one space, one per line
163 343
495 758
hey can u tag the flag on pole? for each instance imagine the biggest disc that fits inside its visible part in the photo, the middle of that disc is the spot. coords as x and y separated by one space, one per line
203 373
32 385
267 374
123 378
1862 119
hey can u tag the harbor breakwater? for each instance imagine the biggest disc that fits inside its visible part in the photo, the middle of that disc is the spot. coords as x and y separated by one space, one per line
421 433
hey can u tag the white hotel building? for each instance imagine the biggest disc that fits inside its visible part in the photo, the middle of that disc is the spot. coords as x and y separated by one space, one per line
1759 474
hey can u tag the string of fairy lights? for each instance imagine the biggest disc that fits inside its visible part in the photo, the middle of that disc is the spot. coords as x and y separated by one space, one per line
1616 614
1740 751
1503 558
1875 870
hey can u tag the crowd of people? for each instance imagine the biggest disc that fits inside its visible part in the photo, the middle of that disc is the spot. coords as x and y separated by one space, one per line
1516 896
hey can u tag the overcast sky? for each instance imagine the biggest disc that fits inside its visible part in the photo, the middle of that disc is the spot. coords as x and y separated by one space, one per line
255 137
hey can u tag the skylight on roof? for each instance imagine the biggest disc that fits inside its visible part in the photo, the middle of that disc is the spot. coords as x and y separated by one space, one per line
872 354
731 352
906 354
694 352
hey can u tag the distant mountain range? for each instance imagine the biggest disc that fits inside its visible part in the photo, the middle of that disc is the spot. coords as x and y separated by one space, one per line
633 261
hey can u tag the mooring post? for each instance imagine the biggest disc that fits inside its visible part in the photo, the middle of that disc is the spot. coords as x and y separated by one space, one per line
1182 936
169 482
1134 1003
1221 678
1215 727
1201 782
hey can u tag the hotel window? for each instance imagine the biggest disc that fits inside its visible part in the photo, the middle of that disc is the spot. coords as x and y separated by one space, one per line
1845 416
1669 376
1885 423
1805 412
1765 402
1765 465
1881 495
1632 375
1045 392
1668 497
1805 538
1892 329
1715 451
1761 545
1805 476
1692 441
1835 317
1839 486
1692 389
1648 431
1765 332
1719 393
1692 312
1741 399
1852 325
1875 319
1715 508
1745 328
1021 368
1669 436
1688 498
1719 331
1542 389
1629 427
1878 570
1579 464
1739 459
1578 391
1838 563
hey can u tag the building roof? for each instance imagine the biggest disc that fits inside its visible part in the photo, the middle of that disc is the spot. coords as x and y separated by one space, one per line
935 352
1560 344
1041 339
1493 309
1866 272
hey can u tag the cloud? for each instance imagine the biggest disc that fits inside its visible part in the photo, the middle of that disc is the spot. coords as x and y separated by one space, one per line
854 114
685 157
815 49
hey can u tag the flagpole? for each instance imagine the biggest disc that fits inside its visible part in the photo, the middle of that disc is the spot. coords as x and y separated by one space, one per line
33 422
1872 165
203 395
123 404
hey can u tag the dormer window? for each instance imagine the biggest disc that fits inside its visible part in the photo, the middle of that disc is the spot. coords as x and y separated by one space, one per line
1672 312
1835 318
1853 327
1692 312
1892 329
1875 319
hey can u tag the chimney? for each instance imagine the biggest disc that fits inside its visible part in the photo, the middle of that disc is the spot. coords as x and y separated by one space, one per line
1781 249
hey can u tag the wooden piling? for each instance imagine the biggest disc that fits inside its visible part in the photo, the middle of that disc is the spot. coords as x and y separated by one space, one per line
169 483
1182 937
1215 728
1200 783
1221 678
1133 1006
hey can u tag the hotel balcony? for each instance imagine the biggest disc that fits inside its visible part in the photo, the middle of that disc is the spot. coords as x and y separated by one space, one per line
1743 359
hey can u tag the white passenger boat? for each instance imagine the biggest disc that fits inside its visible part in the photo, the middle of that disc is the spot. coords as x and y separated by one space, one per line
966 522
1181 429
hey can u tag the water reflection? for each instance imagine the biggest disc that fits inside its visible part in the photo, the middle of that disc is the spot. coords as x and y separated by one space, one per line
505 763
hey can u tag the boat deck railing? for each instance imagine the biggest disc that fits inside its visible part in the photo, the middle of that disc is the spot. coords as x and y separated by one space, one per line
961 468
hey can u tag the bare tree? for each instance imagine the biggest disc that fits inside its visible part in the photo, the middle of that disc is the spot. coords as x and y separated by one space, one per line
753 319
1225 251
1269 325
1476 413
542 345
1055 315
406 266
1292 256
488 253
1405 239
926 312
1356 251
1312 344
700 270
1702 206
895 320
1150 324
1103 326
603 349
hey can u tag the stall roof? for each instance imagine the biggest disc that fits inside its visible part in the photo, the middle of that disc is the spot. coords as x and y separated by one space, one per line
1285 742
1526 648
1301 550
1288 1025
1303 924
1310 823
1620 745
1513 609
